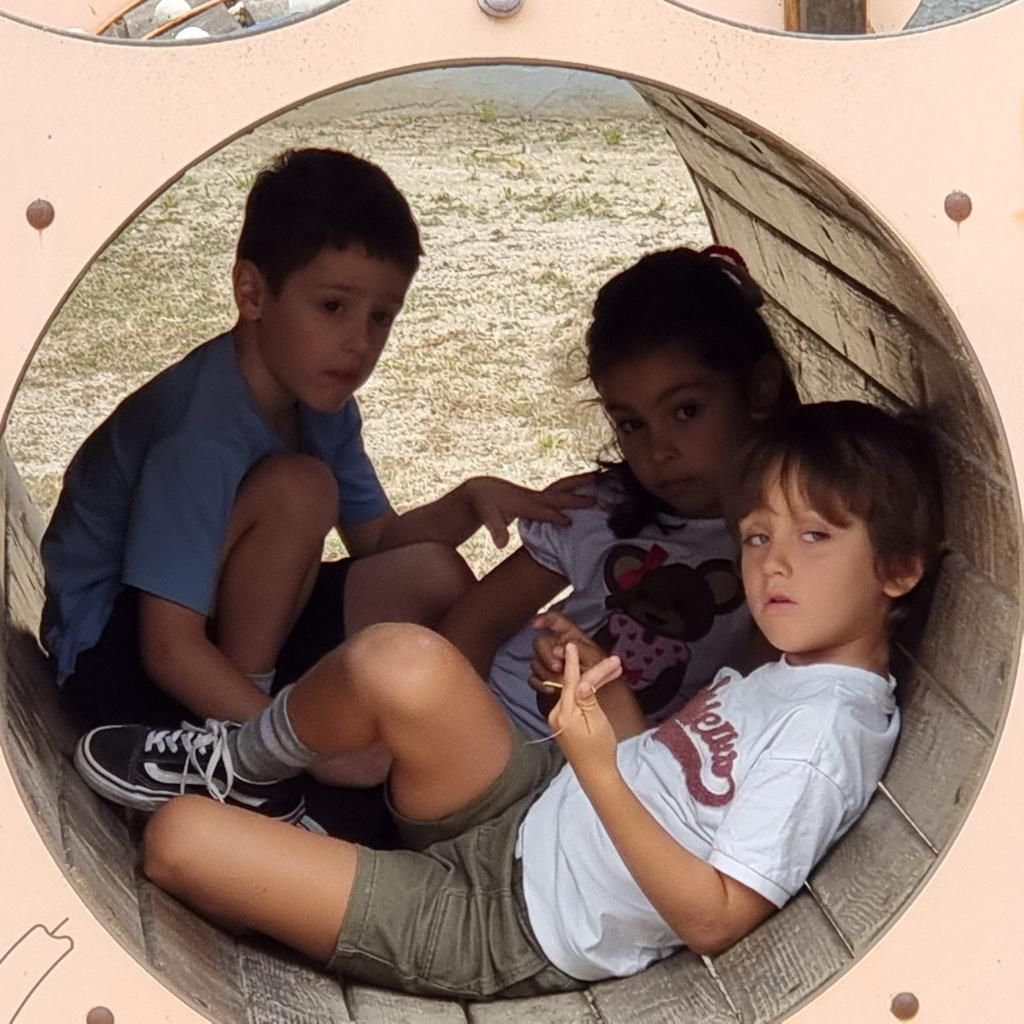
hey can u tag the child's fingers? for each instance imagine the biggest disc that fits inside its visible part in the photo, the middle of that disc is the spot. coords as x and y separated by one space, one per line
496 525
548 655
571 484
560 626
603 672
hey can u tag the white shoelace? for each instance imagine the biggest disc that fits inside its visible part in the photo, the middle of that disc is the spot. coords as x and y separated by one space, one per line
193 739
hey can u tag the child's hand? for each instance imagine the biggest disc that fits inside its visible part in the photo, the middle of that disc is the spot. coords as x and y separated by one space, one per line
549 649
580 726
497 502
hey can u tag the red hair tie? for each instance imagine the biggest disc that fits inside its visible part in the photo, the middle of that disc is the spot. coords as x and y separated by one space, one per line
735 267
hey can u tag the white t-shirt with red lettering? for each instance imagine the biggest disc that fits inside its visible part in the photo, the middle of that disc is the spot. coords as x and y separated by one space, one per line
757 775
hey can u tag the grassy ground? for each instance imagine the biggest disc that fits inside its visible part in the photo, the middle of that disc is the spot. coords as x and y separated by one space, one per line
522 219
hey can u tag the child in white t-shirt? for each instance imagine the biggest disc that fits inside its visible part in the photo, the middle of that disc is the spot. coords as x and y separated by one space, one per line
534 868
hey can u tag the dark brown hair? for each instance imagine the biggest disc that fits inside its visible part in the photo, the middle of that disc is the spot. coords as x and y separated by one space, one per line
702 302
308 200
851 459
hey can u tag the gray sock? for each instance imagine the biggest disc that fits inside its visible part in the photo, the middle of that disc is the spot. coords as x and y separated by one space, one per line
266 748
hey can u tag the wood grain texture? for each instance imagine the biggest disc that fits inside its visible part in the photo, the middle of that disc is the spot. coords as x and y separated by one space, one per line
819 372
870 873
982 515
370 1005
886 345
831 17
969 642
197 961
562 1008
789 957
280 987
100 857
940 759
678 990
823 232
769 153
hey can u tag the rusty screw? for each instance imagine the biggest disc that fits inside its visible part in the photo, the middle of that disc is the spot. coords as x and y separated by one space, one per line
904 1005
958 206
40 213
99 1015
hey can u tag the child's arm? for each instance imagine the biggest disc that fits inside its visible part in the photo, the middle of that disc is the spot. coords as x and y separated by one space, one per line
180 658
499 604
455 517
707 909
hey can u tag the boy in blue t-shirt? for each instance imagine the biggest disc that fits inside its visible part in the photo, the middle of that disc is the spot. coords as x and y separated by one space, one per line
183 561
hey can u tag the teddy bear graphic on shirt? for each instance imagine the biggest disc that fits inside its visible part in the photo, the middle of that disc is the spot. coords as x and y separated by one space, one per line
657 611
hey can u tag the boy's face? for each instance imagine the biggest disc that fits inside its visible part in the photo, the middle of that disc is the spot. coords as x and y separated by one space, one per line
812 585
320 338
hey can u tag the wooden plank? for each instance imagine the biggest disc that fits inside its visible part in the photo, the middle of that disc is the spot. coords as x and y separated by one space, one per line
100 857
768 152
35 736
782 962
560 1008
369 1005
24 577
826 17
969 641
280 987
982 516
33 765
193 959
679 990
818 371
873 870
886 345
880 266
939 762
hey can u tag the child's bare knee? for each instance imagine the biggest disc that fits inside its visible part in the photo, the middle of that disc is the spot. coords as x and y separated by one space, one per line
400 662
297 488
169 841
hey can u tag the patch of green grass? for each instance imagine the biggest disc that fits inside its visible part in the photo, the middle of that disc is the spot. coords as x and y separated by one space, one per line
612 135
485 112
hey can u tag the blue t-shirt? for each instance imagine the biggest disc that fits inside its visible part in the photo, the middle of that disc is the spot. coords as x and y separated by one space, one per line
148 497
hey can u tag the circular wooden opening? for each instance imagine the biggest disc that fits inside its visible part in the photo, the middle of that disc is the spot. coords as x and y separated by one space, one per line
856 317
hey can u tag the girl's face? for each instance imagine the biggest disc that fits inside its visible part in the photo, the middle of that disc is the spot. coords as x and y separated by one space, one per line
678 424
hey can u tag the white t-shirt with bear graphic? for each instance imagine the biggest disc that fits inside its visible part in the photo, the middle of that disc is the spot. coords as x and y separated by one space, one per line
668 601
757 775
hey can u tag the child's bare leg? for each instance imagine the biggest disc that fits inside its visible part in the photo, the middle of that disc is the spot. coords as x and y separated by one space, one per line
284 509
407 688
418 583
246 871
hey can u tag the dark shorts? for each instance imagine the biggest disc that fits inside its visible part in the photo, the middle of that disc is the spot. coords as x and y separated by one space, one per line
110 684
447 916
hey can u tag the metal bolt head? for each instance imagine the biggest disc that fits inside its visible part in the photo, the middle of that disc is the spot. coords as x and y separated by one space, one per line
904 1006
40 213
99 1015
500 8
958 206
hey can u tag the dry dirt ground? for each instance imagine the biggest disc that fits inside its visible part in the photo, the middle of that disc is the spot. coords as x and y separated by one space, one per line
522 219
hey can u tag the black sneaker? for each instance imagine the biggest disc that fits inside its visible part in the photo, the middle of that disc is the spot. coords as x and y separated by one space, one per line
140 767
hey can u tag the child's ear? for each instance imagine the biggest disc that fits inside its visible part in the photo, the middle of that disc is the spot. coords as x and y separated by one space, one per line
902 578
765 386
250 289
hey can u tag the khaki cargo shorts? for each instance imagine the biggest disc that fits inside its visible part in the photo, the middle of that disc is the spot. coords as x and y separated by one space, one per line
447 916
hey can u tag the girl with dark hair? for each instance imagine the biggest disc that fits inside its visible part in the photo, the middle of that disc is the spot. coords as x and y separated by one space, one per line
684 367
